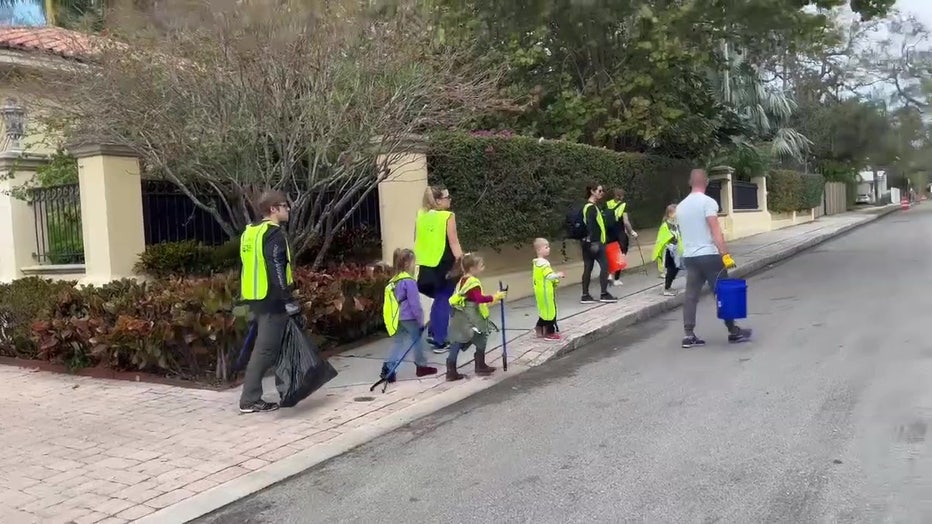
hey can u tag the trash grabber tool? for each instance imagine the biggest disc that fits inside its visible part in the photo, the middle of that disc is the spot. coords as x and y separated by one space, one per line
643 262
503 287
384 380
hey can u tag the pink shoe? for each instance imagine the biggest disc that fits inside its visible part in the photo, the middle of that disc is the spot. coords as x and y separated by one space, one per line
553 336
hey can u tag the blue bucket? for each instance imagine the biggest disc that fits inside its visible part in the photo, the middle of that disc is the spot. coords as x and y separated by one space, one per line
731 295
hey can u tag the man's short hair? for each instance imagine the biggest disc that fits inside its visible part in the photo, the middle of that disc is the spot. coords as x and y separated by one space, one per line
268 200
697 175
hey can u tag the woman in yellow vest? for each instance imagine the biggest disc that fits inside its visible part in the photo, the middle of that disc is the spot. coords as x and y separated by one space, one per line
436 248
593 246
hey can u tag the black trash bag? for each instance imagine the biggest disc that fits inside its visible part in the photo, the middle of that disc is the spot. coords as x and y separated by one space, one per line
300 370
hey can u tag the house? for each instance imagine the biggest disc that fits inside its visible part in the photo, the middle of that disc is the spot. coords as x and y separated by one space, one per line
866 182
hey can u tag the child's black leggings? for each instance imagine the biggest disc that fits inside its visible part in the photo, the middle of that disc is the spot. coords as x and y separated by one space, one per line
672 270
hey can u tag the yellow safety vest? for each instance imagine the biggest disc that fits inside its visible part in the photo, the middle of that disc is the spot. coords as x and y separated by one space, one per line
598 218
391 307
458 300
617 207
254 278
545 291
430 236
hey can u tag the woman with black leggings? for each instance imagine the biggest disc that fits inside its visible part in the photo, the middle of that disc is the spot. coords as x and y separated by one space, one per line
593 246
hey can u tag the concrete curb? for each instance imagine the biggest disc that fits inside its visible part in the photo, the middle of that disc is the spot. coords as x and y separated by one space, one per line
239 488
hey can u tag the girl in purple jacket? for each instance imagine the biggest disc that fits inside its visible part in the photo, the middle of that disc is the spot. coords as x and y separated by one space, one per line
406 316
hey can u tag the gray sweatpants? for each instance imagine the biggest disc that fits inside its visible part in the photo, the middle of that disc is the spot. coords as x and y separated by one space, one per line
270 330
699 271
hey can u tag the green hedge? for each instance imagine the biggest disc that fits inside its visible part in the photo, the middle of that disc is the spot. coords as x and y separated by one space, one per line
789 191
507 190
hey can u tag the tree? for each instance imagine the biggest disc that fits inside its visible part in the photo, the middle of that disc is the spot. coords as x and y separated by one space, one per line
225 99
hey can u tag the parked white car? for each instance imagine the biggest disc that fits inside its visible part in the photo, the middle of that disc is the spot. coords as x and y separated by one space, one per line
864 198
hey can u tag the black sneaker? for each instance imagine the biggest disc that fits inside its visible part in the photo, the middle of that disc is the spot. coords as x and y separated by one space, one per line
391 378
439 348
692 341
260 406
587 299
607 298
739 336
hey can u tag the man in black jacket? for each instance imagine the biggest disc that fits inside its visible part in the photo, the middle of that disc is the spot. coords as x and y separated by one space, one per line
266 285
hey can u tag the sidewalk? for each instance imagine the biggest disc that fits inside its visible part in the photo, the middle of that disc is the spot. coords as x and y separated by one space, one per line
87 450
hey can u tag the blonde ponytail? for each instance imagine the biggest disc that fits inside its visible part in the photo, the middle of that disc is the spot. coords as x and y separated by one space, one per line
430 198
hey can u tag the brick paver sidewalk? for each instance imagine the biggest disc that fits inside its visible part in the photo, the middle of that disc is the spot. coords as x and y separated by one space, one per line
87 450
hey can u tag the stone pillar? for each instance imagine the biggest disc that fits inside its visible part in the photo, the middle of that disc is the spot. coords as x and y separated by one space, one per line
401 194
111 211
761 182
17 218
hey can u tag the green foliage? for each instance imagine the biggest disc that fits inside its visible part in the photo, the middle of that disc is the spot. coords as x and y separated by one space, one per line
181 327
189 258
513 189
62 169
812 191
789 191
350 246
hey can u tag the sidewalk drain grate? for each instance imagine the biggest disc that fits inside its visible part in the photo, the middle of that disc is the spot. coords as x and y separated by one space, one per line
364 399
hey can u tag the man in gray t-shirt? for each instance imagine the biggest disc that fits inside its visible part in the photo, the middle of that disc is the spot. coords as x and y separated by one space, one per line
704 255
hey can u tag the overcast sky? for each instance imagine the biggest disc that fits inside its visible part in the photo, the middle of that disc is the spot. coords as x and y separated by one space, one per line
921 8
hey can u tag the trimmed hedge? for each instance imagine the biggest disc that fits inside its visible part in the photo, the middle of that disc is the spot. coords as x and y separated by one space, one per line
508 190
789 191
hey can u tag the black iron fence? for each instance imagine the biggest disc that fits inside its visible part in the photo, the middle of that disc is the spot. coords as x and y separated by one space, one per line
59 238
714 190
168 216
745 195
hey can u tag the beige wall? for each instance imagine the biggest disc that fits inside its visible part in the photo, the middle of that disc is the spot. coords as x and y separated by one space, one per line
400 196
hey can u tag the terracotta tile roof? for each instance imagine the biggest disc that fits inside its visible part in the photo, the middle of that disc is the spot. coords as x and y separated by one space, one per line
53 40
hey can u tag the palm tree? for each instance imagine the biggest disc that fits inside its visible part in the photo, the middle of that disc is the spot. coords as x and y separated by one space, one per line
764 111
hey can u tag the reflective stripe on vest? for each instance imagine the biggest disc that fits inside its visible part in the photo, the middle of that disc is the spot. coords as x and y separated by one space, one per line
254 278
599 219
430 236
459 295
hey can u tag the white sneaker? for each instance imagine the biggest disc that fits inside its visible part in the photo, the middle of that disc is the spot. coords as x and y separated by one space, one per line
613 282
662 275
669 292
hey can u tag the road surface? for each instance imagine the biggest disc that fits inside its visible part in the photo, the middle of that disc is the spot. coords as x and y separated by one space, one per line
823 418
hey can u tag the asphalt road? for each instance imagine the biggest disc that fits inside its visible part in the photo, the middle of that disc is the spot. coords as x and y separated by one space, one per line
824 417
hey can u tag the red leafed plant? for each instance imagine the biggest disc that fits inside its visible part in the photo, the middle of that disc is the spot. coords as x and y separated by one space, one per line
180 327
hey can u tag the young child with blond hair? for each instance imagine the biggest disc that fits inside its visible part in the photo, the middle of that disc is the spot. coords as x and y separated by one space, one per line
545 291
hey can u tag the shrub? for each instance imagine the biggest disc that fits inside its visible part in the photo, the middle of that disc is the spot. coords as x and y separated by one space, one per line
813 188
179 327
512 189
20 302
188 258
358 245
789 191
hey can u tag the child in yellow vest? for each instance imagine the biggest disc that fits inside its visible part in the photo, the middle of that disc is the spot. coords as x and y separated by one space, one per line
668 250
469 323
404 317
545 288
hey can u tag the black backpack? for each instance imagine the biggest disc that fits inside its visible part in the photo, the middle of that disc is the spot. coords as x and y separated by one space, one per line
575 227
